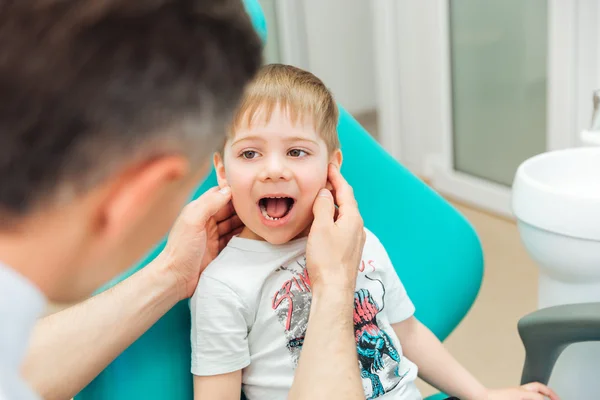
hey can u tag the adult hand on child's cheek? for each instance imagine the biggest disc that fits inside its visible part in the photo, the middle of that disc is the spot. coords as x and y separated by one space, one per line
530 391
335 244
200 232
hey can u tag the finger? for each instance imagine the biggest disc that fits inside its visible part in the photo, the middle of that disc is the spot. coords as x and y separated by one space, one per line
541 388
526 394
344 195
323 208
337 208
207 205
229 225
533 396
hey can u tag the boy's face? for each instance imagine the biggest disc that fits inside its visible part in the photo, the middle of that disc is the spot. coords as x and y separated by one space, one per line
275 171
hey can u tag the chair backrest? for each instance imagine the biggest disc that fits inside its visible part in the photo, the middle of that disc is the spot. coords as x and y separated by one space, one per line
434 250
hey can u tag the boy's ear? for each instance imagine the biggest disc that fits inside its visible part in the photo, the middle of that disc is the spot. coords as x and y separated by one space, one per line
220 169
336 158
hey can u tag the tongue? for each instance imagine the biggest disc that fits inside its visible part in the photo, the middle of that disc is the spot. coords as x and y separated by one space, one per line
276 208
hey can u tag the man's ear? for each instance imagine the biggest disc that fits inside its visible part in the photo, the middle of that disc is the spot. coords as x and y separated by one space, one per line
220 169
138 191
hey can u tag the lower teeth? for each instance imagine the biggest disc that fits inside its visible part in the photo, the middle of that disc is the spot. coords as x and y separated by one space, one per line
263 210
267 216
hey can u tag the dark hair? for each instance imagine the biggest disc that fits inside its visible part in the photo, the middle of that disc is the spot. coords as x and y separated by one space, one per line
87 85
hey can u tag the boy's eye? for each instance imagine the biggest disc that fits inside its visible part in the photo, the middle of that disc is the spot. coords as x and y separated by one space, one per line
249 154
297 153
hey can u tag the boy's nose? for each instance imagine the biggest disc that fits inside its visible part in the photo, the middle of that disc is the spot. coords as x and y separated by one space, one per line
276 169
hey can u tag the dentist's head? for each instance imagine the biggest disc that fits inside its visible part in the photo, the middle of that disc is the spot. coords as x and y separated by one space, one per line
109 111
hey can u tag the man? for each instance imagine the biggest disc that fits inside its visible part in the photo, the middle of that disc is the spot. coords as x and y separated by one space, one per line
109 112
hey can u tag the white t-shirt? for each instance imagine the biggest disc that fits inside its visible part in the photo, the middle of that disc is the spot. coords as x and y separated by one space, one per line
250 312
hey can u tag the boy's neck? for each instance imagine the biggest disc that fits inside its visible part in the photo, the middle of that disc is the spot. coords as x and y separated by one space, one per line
247 233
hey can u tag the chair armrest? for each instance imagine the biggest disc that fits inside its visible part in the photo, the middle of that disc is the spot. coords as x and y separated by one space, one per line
547 332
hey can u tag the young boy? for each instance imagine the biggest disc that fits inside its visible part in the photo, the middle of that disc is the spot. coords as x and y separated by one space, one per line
250 313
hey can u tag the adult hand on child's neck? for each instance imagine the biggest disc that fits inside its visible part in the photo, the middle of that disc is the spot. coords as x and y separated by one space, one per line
199 234
334 247
333 253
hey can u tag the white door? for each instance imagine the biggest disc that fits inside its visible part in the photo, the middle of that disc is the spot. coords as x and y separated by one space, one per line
468 89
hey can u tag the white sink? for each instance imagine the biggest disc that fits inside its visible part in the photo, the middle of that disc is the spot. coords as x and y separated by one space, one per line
556 200
560 191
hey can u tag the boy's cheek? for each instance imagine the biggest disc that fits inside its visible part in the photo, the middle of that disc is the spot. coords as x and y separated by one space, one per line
241 205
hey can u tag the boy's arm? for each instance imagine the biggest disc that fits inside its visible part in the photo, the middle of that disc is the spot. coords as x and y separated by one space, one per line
436 365
438 368
218 387
218 340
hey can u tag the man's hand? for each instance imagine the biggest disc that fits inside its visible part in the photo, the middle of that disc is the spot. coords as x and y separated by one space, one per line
328 367
127 310
335 246
201 231
530 391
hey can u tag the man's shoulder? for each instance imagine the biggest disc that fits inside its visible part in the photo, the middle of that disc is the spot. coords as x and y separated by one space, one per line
13 387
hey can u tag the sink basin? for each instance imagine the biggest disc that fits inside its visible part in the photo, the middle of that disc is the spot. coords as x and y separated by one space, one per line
556 200
559 191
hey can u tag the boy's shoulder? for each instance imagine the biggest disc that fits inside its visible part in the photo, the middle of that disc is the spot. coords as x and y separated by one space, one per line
375 256
228 265
236 265
372 242
239 266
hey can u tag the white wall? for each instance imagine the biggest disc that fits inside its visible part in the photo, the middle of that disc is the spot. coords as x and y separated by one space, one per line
272 52
340 49
410 114
419 113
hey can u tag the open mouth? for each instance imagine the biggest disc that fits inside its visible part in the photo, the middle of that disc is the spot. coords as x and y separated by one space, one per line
275 208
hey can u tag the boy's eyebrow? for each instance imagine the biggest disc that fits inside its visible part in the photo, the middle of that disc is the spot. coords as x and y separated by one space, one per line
300 139
255 137
262 139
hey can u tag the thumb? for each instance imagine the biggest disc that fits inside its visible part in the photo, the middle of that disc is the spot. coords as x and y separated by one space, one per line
207 205
323 208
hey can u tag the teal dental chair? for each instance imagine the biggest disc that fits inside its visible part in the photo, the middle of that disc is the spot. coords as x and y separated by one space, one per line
434 250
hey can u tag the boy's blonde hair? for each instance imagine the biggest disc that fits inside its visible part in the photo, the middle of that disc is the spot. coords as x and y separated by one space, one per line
301 94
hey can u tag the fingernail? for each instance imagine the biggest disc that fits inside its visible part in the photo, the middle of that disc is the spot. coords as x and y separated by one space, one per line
225 190
324 193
